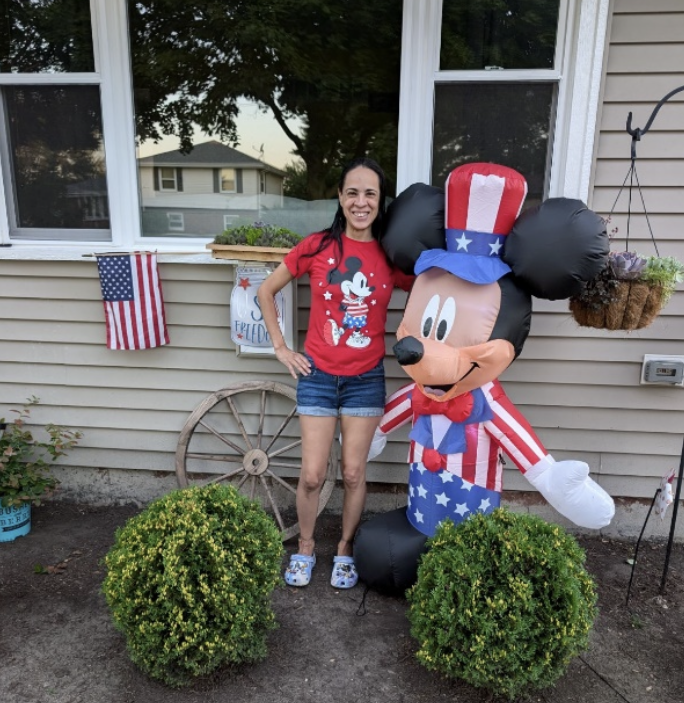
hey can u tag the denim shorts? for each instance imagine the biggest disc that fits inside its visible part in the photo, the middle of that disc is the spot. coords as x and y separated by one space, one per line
324 395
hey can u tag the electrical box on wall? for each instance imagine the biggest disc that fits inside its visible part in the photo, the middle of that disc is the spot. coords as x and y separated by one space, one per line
661 369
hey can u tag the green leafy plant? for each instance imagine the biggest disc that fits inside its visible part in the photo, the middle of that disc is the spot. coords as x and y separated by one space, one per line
189 582
665 272
502 601
259 234
24 460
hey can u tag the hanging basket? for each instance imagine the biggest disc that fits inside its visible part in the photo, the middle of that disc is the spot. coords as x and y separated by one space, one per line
635 305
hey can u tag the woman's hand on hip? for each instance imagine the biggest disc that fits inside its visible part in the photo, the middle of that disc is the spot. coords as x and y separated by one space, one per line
296 363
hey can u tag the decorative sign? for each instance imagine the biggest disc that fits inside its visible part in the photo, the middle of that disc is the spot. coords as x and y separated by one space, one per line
248 330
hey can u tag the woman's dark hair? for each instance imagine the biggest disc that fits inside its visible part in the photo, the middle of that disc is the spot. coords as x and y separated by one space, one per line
339 224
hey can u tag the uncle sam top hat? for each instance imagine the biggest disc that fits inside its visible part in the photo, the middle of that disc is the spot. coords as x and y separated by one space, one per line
482 201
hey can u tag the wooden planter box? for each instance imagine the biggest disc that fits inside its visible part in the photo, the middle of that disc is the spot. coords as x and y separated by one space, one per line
241 252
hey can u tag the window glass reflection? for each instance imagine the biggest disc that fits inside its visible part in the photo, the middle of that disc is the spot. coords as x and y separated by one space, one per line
256 107
475 122
45 36
57 156
495 34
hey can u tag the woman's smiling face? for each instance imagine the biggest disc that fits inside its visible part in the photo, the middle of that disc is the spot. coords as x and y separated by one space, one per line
359 198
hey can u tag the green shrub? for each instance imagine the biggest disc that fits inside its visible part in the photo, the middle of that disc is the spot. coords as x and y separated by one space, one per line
189 582
502 601
24 460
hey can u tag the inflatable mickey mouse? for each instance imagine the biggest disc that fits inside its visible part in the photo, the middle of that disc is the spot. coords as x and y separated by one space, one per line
466 319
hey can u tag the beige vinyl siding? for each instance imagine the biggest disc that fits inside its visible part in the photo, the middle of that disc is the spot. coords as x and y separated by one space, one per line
130 405
634 431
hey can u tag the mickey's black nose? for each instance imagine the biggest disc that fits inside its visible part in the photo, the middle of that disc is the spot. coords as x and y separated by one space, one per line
408 351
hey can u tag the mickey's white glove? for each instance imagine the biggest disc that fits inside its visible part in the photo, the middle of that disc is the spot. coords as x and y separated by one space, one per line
377 445
567 487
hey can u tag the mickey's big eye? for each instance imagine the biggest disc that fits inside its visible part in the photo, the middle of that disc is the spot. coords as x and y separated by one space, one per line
429 316
446 320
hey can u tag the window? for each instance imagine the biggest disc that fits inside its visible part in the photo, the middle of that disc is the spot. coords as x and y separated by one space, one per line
227 180
504 81
87 117
259 116
53 157
229 221
176 221
496 101
167 179
65 176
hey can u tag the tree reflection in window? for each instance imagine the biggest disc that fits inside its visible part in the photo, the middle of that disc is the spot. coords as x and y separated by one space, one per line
332 64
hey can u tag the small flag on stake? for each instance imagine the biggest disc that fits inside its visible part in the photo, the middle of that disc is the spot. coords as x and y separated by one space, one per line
664 499
133 301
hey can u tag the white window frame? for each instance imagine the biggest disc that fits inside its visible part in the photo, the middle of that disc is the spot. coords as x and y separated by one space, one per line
230 220
229 190
175 221
578 69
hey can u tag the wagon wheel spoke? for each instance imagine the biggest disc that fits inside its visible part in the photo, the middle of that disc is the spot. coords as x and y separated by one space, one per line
283 425
240 424
225 440
218 478
274 505
252 486
227 458
241 482
283 483
262 417
285 465
287 448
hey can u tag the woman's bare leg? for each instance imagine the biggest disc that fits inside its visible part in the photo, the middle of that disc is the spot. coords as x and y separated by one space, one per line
317 437
357 434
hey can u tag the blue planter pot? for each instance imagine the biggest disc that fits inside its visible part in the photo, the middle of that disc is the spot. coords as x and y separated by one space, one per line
15 522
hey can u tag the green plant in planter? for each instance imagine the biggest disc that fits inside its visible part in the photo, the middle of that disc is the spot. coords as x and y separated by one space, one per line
628 293
502 601
259 234
24 460
665 272
189 581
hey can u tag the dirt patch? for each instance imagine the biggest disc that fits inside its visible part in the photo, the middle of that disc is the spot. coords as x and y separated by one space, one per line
57 642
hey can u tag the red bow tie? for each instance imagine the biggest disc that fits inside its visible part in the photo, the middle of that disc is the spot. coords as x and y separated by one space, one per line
457 409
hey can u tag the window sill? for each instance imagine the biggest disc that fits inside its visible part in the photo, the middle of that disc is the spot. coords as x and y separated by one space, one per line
80 252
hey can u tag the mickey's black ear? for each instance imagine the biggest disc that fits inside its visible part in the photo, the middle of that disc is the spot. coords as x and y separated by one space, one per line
556 246
415 223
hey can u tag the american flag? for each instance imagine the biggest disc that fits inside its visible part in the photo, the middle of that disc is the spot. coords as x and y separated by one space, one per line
133 302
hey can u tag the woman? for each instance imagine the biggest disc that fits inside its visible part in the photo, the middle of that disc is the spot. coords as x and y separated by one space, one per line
341 373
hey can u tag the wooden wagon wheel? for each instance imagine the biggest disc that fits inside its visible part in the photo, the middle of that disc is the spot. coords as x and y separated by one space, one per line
240 434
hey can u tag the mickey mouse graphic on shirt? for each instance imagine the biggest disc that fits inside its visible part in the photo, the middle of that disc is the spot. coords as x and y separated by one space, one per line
355 289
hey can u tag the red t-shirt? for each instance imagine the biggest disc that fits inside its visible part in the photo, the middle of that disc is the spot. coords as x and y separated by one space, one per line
349 299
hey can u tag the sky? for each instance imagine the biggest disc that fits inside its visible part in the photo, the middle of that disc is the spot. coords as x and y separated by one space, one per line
255 129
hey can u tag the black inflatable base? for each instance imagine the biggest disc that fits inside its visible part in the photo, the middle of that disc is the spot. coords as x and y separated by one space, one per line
386 552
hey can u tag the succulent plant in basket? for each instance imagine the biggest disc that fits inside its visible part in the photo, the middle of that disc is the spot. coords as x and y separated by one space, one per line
628 293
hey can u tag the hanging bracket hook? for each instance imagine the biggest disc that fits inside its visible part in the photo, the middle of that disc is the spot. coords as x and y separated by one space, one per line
637 132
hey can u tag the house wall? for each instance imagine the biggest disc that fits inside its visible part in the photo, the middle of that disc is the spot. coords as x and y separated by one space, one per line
638 429
579 388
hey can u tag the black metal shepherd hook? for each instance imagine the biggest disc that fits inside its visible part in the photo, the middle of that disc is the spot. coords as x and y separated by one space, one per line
636 135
